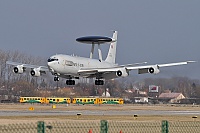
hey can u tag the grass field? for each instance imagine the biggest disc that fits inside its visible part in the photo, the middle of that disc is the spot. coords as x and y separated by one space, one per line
28 119
104 107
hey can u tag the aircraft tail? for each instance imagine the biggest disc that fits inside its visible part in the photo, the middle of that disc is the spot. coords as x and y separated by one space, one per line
112 50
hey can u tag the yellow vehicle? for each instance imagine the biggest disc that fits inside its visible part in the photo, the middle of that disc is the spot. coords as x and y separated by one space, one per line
84 101
111 101
32 100
67 100
97 101
58 100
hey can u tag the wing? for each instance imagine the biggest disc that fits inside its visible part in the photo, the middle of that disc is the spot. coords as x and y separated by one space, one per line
102 73
107 70
123 70
155 68
135 64
34 69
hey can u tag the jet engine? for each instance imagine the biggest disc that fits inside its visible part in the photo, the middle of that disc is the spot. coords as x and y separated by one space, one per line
35 72
122 72
18 69
154 69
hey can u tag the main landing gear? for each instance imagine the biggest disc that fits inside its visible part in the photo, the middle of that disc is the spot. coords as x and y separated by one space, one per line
70 82
99 82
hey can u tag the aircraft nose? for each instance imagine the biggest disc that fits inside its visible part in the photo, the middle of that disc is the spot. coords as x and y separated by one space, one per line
49 63
50 66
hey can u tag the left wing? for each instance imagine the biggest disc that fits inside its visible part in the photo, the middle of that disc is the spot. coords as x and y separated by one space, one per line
135 64
123 70
34 69
110 69
154 69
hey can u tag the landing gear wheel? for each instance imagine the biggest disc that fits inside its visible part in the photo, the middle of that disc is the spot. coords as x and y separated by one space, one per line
70 82
99 82
56 78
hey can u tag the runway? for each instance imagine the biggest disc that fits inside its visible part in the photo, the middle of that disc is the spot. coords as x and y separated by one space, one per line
88 112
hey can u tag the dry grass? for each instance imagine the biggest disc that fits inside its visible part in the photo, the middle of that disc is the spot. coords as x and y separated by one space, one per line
29 119
45 107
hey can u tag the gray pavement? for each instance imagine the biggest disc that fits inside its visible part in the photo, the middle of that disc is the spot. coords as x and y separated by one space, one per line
88 112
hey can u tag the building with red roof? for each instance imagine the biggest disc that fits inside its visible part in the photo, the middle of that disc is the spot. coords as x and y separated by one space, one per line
171 97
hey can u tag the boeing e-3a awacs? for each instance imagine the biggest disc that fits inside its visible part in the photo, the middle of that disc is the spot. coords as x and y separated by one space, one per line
73 67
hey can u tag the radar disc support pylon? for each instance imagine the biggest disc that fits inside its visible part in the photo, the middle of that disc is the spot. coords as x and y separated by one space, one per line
95 40
100 54
92 51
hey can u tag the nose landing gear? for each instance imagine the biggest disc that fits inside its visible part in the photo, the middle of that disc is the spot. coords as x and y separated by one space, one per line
56 79
68 82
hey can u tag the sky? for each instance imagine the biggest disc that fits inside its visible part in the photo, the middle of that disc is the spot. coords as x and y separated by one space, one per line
148 30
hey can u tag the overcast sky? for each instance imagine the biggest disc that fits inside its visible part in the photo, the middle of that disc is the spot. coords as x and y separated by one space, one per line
155 31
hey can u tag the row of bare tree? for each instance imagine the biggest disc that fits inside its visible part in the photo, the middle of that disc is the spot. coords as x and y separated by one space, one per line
17 83
26 85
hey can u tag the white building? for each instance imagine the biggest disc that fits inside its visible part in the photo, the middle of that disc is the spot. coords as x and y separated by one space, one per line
141 100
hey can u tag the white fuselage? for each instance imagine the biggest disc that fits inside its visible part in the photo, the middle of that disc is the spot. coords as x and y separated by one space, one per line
70 65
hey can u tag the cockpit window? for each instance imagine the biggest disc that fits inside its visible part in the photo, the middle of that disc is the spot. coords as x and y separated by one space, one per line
50 60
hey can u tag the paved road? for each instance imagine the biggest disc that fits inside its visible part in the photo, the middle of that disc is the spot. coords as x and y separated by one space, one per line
88 112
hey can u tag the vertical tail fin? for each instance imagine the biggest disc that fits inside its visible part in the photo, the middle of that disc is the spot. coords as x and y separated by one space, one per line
112 50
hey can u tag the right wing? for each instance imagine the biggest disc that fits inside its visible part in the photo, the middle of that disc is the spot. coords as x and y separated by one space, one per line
34 69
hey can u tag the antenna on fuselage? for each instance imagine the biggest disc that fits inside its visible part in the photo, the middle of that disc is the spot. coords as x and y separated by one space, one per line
95 40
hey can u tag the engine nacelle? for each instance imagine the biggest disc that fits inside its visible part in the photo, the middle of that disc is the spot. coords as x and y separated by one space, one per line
154 69
35 72
18 69
122 72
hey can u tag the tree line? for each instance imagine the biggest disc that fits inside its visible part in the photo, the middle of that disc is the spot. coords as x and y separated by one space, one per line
26 85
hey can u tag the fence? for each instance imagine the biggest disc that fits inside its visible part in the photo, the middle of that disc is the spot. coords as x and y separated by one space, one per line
103 126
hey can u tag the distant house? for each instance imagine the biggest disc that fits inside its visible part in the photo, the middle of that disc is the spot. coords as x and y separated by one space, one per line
141 99
171 97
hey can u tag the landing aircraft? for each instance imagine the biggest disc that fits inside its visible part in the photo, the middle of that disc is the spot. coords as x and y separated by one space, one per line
73 67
